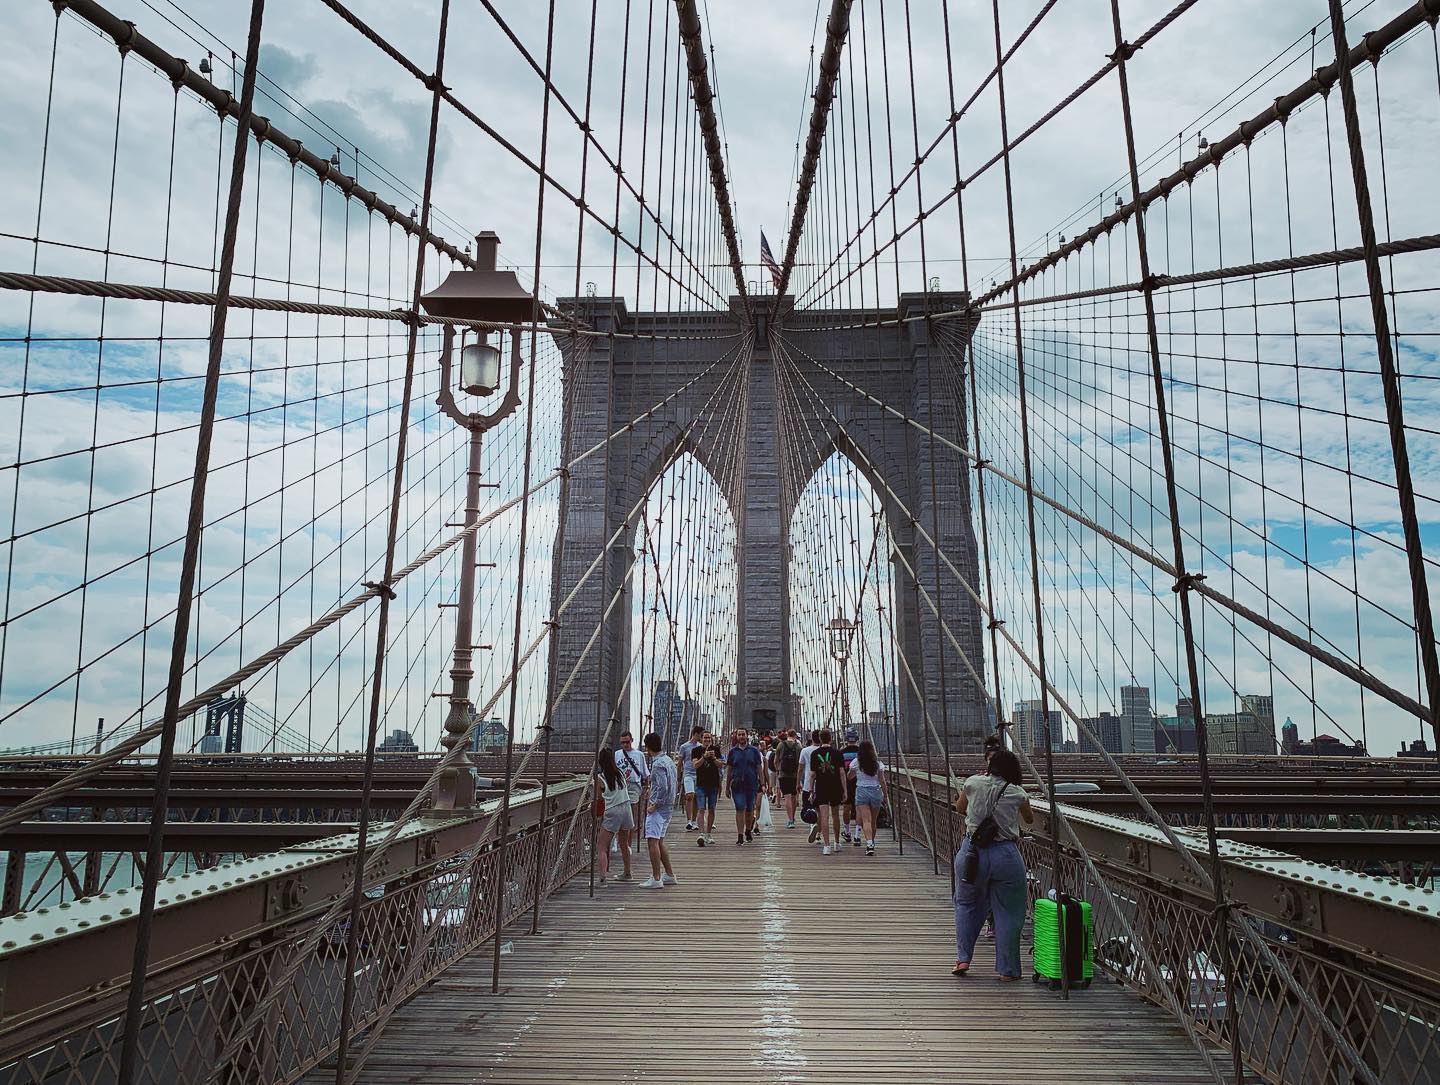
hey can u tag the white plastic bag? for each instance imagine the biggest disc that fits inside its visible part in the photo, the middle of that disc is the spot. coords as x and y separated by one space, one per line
763 819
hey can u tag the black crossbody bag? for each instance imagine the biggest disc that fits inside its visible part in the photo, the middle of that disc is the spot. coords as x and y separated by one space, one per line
984 835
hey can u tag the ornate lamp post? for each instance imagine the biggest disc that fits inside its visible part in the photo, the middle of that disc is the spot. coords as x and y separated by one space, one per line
724 687
840 630
483 294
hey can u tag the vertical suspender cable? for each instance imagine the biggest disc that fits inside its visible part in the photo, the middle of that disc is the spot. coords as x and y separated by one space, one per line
1389 375
386 594
837 28
503 829
1029 484
160 808
1184 581
973 405
931 451
690 35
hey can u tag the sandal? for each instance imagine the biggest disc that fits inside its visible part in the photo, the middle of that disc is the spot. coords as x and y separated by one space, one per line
961 968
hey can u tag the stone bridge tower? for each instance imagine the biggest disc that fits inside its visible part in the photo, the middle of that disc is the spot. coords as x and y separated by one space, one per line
913 365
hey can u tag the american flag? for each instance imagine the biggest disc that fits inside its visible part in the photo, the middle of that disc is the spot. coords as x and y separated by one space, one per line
768 259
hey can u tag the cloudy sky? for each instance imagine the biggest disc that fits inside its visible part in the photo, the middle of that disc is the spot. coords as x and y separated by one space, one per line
1305 472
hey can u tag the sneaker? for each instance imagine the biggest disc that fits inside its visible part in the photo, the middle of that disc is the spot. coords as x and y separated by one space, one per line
814 835
700 841
709 839
790 824
869 847
855 840
845 835
623 877
739 840
689 826
826 850
651 883
749 836
667 879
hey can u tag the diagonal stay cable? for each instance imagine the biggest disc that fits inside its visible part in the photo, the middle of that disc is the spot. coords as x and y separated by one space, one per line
96 766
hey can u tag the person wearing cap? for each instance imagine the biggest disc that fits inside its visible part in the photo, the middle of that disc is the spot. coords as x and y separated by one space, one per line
850 751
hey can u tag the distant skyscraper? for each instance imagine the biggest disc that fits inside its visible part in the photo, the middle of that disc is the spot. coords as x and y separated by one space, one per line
399 741
666 708
1238 733
1261 706
1289 736
1106 727
1137 726
1029 727
1174 734
892 701
491 734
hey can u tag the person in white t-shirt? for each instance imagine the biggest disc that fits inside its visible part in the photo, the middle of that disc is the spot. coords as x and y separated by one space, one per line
807 783
868 772
631 762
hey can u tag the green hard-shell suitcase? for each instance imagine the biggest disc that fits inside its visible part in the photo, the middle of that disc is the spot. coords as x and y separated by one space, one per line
1078 957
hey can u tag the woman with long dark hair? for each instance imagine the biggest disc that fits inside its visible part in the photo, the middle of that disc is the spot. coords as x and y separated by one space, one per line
618 819
868 772
989 871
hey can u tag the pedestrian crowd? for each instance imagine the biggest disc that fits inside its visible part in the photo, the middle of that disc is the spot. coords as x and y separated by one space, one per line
839 791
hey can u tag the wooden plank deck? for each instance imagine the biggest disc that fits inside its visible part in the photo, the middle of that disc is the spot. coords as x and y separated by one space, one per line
767 963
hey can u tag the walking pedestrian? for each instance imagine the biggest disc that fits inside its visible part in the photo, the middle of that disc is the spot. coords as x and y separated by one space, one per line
851 832
787 772
744 773
807 785
687 769
705 758
637 774
827 773
868 772
664 783
617 820
989 870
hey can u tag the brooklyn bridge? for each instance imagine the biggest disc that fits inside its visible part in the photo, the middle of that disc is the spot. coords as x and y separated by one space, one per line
403 406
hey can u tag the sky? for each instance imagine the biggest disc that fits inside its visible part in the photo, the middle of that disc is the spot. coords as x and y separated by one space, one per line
140 183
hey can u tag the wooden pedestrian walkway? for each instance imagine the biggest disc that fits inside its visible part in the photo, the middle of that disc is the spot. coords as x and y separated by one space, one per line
767 963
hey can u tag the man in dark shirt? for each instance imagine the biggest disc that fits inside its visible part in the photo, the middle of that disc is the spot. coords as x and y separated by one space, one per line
705 756
744 779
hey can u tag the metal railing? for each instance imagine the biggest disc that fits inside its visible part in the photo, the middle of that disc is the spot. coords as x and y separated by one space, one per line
1366 950
242 986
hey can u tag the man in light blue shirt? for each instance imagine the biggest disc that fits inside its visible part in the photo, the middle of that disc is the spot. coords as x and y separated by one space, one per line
664 782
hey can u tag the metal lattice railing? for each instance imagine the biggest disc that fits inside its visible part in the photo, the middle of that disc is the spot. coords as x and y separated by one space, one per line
1385 1003
237 997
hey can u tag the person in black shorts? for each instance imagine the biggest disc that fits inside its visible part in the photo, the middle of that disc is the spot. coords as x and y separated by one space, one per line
827 775
787 771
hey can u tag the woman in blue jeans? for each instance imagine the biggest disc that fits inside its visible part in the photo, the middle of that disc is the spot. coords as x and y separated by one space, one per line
993 881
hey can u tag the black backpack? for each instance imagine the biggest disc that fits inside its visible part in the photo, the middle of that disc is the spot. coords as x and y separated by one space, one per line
790 758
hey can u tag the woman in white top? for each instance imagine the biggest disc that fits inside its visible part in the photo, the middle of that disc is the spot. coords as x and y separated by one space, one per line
990 878
868 772
618 818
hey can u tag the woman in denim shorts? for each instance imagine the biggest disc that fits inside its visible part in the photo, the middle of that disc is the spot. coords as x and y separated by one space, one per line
618 819
868 772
